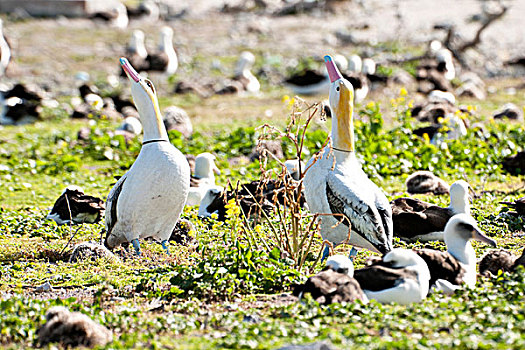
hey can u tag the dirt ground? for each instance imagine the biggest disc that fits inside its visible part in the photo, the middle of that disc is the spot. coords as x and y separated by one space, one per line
52 51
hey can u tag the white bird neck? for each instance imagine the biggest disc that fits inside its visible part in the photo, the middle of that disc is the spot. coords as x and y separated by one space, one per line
460 204
462 250
137 46
152 123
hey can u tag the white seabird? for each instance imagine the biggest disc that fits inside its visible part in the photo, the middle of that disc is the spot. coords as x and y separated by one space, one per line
5 51
165 60
415 219
401 276
148 200
203 179
457 265
335 183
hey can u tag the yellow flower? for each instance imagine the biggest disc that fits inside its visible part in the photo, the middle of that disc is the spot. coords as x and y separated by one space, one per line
372 104
214 216
441 120
470 108
403 92
285 98
426 138
411 104
258 228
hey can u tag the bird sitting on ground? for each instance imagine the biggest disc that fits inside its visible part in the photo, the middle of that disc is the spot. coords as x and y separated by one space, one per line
499 260
243 79
334 284
165 59
336 184
148 200
203 178
457 266
415 219
401 277
426 182
518 205
5 51
73 205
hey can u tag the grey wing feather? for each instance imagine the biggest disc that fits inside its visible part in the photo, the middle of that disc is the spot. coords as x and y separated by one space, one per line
364 217
111 205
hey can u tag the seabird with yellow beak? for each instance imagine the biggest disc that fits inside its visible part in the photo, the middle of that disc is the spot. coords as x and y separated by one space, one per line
336 184
148 200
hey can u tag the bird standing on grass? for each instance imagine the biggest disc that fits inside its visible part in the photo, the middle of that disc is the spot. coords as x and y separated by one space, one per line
148 200
335 183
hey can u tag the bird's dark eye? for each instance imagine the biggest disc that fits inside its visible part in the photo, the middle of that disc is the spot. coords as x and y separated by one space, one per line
337 88
150 85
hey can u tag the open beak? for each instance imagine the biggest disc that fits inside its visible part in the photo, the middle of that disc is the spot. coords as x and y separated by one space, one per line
130 71
480 236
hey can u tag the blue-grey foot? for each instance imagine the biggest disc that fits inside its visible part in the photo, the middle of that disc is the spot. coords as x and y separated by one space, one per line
165 246
136 245
353 254
326 253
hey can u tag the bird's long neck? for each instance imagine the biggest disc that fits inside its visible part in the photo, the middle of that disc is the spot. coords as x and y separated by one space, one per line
460 204
152 123
461 250
166 45
343 125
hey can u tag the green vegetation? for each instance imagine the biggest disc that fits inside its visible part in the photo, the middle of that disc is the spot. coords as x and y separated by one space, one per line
231 291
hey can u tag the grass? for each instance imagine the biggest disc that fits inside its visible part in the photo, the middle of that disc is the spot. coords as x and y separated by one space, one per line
227 293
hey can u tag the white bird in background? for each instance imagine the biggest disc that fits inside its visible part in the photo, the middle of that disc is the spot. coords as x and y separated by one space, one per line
165 60
335 182
5 51
136 45
203 179
243 72
148 200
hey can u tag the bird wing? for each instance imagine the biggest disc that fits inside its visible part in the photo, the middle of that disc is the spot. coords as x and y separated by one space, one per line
442 265
358 208
377 277
111 205
412 217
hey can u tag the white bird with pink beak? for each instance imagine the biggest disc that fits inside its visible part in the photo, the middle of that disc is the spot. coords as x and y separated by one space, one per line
336 184
148 200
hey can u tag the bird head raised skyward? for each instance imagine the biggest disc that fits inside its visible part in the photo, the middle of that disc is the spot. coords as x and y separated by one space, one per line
341 98
145 99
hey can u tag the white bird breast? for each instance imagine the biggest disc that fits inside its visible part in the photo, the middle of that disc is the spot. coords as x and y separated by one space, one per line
315 191
154 193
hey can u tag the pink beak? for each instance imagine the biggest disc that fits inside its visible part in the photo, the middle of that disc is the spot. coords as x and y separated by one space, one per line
333 72
130 71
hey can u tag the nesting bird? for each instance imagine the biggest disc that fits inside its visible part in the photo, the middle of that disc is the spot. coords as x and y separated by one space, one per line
75 206
456 266
334 284
518 205
499 259
401 277
415 219
148 200
335 182
72 329
165 59
136 51
5 51
514 164
243 79
426 182
203 179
